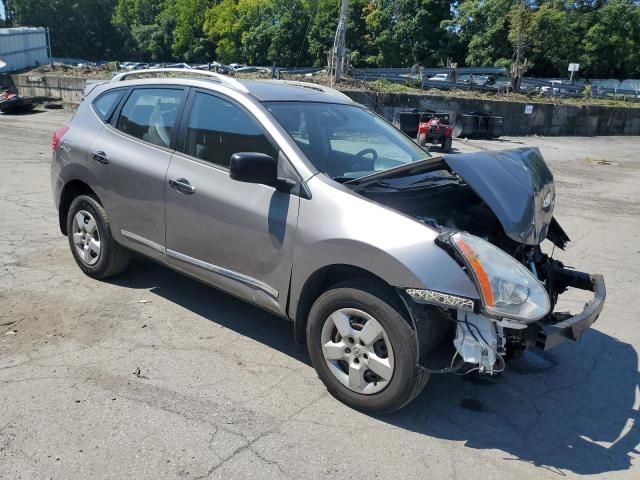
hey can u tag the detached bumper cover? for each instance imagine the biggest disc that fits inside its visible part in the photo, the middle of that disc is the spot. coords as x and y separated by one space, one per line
571 327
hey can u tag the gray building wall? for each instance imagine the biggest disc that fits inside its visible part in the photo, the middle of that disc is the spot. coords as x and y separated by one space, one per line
23 48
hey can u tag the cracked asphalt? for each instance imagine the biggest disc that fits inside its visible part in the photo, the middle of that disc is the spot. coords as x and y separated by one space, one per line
153 375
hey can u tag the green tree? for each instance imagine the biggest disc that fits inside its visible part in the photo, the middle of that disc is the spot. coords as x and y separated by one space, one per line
223 28
146 27
189 40
322 30
79 28
323 25
483 26
7 21
408 32
555 39
611 45
258 31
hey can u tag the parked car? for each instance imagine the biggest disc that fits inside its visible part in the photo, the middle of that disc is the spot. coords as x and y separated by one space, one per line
392 264
440 77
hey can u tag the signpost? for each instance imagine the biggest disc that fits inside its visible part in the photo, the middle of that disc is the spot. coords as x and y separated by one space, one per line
573 67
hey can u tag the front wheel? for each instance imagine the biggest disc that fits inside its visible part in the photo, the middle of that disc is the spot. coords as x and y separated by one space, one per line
363 348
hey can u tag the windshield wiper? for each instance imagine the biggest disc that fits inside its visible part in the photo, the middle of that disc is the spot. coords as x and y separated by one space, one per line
392 172
432 179
340 179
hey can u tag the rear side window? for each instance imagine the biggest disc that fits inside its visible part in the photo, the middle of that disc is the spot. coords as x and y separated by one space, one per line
105 104
150 114
217 129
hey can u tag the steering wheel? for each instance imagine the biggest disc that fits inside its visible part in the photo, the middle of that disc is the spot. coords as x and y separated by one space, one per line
359 163
367 151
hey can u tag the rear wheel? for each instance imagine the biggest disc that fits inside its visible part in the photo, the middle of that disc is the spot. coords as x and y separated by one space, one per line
92 245
363 348
422 139
446 144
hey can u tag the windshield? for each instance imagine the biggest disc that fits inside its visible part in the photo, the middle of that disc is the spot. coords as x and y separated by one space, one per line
345 141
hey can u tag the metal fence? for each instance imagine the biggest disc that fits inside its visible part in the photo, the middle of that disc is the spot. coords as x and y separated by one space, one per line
23 48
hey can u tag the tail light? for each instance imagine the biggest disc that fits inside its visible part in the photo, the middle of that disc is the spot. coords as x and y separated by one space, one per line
57 136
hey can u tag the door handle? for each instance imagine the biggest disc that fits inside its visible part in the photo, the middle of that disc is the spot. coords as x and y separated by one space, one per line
100 157
182 185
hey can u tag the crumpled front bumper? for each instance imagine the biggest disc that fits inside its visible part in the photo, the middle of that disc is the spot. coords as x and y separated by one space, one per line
559 327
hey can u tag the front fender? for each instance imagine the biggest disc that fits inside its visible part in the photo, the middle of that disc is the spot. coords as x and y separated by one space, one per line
367 235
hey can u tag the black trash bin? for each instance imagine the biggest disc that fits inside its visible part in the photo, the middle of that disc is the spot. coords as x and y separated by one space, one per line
478 125
466 126
483 125
495 126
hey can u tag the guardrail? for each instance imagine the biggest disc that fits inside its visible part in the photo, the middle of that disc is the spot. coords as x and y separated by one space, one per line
485 81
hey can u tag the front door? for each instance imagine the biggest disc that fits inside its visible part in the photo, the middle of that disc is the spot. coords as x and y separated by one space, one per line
237 236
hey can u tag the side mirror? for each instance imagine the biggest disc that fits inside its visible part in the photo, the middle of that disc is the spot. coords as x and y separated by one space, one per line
254 167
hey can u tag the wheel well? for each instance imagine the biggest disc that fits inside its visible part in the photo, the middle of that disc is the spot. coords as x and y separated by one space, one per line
70 191
321 280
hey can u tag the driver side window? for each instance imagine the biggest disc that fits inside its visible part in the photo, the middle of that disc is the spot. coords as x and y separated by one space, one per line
217 129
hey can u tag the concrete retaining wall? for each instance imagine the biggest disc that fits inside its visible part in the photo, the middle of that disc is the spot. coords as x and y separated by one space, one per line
544 119
69 89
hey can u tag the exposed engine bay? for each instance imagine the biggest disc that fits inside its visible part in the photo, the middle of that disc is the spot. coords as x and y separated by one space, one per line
505 199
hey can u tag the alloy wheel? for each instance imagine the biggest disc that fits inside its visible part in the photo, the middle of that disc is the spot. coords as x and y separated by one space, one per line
86 237
357 351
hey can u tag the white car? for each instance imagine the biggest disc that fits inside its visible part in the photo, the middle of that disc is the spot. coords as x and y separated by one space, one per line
440 77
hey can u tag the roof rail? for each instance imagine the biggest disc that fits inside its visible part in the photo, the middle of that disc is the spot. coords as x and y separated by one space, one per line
314 86
221 79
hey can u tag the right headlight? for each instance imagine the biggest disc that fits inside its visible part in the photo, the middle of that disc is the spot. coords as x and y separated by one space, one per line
507 288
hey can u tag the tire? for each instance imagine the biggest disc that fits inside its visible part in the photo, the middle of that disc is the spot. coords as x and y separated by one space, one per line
355 298
107 258
422 139
446 144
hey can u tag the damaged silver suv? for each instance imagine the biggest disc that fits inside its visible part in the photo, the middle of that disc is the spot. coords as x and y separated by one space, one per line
392 264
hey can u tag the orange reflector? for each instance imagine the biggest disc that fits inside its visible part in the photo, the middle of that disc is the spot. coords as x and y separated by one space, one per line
476 266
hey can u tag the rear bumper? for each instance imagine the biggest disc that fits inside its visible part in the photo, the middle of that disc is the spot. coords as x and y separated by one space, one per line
561 327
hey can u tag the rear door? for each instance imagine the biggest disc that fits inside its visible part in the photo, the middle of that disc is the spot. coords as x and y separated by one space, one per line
237 236
128 163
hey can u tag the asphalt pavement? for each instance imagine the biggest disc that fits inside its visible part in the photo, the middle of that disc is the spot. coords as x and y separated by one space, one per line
153 375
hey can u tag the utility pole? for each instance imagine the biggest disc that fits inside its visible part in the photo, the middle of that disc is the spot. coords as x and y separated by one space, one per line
519 68
339 43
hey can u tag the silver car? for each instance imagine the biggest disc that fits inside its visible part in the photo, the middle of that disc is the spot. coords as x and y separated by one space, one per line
392 264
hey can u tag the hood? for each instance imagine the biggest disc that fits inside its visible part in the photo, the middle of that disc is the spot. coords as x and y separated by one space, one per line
516 184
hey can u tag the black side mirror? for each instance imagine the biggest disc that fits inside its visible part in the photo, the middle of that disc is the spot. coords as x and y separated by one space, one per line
254 167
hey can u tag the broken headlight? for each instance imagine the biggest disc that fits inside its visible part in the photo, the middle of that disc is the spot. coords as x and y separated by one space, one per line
507 288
